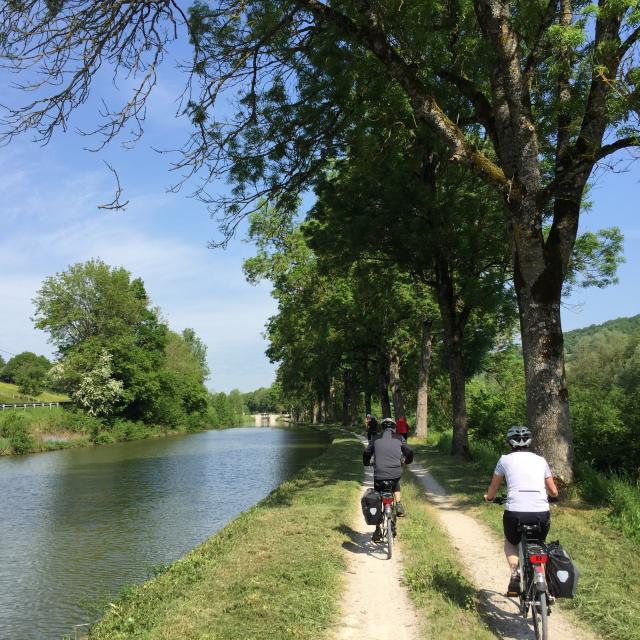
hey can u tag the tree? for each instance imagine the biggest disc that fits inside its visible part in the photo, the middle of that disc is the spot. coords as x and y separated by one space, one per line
91 308
552 86
28 371
198 349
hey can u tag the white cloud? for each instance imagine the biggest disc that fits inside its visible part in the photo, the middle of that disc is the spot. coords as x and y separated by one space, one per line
51 221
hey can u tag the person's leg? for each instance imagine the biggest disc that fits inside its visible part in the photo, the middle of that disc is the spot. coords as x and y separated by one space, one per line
511 553
399 506
511 540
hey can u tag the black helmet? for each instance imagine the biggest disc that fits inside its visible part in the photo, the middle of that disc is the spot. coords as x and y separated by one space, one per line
387 423
519 436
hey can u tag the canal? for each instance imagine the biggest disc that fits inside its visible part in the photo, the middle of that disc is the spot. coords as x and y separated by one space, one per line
77 525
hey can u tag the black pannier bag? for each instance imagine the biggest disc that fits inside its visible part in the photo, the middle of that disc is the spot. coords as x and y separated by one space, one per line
562 573
372 506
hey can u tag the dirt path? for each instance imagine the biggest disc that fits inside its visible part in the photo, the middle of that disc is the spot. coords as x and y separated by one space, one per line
373 582
483 558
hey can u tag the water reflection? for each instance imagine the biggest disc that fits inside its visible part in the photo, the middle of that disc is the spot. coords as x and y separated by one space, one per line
75 523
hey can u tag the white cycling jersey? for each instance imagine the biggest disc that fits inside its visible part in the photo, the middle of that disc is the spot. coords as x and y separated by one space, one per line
525 473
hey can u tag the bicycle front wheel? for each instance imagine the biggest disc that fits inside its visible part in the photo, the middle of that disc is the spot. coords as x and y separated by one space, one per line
539 613
389 537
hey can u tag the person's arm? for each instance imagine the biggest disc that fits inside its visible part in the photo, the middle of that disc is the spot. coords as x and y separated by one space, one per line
407 452
493 488
552 490
366 455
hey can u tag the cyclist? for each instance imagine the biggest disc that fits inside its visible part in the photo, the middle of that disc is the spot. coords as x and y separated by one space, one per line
372 427
389 452
529 483
402 427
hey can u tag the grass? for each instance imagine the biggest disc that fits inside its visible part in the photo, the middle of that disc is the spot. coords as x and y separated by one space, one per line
275 572
445 599
609 589
10 394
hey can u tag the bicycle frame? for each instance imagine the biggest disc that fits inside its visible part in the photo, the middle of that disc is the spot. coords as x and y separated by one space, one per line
533 558
388 520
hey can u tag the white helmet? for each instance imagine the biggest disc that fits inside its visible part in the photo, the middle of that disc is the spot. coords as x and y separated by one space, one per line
519 436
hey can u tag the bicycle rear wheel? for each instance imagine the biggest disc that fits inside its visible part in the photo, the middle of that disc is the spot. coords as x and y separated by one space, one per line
389 537
539 614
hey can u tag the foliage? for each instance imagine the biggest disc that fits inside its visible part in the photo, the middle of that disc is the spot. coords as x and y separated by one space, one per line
98 392
28 371
14 427
93 311
264 400
226 410
617 325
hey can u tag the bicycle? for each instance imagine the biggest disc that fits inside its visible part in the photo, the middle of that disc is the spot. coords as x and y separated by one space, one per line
534 594
388 524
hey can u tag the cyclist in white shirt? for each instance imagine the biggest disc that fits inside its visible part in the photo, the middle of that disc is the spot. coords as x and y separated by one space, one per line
529 483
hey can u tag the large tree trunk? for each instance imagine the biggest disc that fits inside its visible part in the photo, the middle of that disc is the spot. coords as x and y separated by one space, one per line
539 271
396 385
366 385
352 394
423 380
383 385
453 323
345 403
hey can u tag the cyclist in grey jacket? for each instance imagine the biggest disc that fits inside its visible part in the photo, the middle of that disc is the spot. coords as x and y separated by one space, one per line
389 453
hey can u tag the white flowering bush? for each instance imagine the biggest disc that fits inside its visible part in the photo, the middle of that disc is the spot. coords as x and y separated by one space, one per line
98 392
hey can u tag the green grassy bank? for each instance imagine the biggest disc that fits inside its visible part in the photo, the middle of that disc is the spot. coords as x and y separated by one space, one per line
274 572
46 429
609 591
277 571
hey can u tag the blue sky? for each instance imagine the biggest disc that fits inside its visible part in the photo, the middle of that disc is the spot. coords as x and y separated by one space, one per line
50 220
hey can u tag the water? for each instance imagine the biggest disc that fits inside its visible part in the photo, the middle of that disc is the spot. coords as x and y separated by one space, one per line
80 523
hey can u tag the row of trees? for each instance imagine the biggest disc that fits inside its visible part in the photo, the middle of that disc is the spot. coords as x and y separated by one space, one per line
516 101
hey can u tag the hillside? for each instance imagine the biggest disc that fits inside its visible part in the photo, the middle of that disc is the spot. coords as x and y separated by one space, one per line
620 325
9 394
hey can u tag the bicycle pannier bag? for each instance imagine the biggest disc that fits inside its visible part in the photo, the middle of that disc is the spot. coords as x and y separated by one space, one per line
562 573
372 506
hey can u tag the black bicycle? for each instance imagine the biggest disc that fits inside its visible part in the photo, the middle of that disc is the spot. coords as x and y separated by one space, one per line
534 593
389 515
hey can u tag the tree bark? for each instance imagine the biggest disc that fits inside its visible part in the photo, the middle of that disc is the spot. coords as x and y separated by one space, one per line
539 271
383 385
366 385
396 385
346 418
453 323
423 380
353 398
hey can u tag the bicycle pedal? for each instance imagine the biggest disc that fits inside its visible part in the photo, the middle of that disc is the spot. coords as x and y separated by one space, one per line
513 594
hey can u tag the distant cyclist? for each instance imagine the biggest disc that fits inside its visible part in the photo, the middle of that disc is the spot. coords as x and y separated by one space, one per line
372 427
529 483
402 427
389 452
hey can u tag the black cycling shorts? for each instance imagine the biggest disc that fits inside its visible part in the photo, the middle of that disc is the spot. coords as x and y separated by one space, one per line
511 520
394 485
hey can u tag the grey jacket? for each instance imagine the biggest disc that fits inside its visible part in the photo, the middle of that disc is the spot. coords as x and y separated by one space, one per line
390 451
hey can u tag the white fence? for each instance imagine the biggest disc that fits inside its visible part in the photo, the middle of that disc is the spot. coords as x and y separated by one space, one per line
30 405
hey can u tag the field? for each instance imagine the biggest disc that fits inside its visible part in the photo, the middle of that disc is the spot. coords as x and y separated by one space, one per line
9 394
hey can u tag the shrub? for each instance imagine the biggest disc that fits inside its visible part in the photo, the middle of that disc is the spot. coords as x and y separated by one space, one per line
15 429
